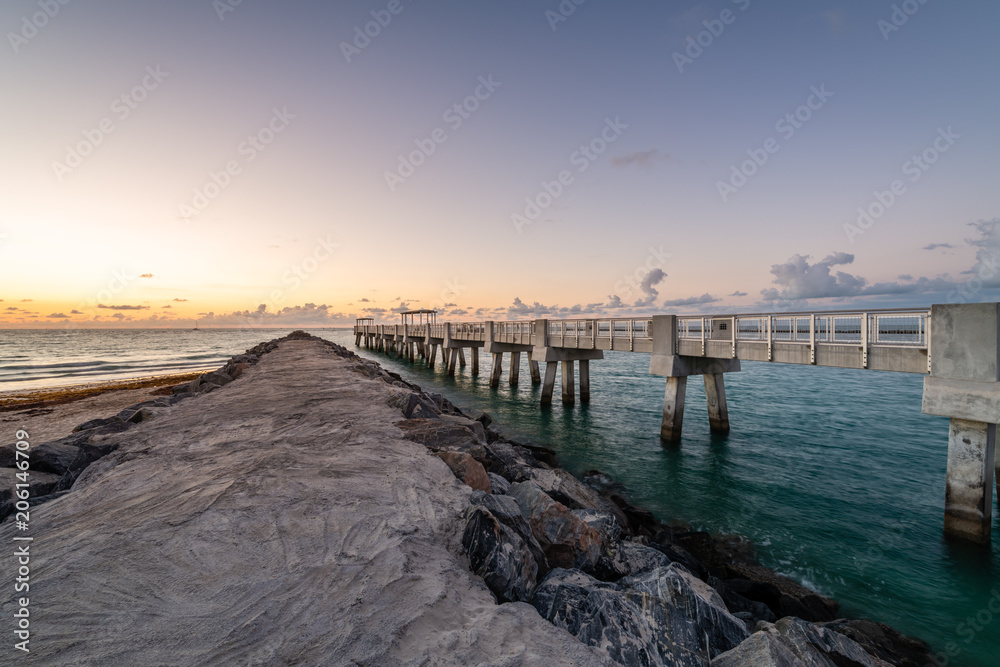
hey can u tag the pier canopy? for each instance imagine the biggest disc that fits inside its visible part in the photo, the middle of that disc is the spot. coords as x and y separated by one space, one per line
365 321
419 317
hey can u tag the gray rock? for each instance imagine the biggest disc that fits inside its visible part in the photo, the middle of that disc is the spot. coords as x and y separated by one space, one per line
604 522
39 484
500 557
508 512
566 539
630 627
699 602
626 559
499 484
573 493
807 640
762 649
96 423
52 457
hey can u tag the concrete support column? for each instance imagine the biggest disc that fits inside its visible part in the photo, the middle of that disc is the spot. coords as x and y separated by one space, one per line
412 351
550 382
451 355
567 382
536 377
515 367
475 361
461 357
968 504
497 369
715 393
433 357
584 381
673 409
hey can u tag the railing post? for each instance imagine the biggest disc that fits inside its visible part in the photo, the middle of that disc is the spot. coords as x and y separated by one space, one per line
770 336
812 338
864 340
734 336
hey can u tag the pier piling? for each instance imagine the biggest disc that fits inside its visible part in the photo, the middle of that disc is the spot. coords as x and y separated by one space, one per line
515 368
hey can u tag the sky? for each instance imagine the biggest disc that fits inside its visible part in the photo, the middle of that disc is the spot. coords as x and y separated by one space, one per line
243 163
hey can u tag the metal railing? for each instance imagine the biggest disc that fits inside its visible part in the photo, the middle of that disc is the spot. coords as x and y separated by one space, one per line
883 328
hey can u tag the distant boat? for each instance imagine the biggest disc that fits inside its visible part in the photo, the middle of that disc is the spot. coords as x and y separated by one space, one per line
196 326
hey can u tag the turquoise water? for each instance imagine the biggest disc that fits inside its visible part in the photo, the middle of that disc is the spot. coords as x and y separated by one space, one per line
834 474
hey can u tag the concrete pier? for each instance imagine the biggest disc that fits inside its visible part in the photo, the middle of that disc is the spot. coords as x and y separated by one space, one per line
964 385
461 357
673 409
536 377
968 511
567 382
515 368
497 369
715 395
584 381
550 382
475 361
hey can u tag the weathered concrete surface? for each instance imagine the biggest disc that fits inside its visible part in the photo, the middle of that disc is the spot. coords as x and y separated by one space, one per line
282 519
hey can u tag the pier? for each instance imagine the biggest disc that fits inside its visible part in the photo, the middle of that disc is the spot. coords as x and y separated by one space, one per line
956 348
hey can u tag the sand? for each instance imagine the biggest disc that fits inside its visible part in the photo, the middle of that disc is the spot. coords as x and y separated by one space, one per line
279 520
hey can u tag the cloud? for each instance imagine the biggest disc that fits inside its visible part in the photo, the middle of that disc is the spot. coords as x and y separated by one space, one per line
648 287
640 158
122 307
146 275
798 279
75 312
364 301
180 300
402 307
167 306
12 308
690 301
461 312
738 293
614 301
26 300
61 316
935 246
118 316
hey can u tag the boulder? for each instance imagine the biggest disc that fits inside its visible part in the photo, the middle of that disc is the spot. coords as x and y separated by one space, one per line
762 649
630 627
883 642
508 512
793 599
498 484
716 552
39 484
418 407
499 556
750 610
440 435
567 540
467 469
501 458
699 602
573 493
626 559
96 423
807 644
52 457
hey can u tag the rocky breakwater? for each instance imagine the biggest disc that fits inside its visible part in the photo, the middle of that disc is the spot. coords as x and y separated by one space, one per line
641 591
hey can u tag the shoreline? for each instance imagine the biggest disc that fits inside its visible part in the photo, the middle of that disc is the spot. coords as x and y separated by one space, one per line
40 397
718 572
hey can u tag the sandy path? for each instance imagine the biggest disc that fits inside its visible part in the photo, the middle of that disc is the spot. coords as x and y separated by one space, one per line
278 520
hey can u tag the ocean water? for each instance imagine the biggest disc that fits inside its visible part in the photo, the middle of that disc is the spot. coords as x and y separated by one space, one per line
834 474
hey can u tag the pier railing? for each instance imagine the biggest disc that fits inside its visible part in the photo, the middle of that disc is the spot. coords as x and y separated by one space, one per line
886 339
